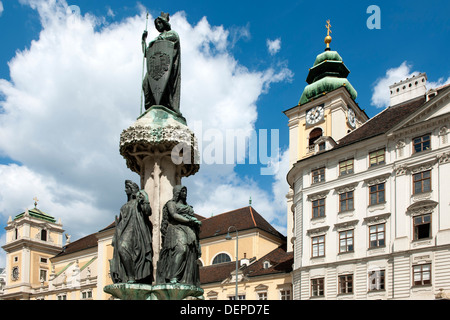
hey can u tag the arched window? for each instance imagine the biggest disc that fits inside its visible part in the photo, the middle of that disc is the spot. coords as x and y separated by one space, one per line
221 258
44 235
313 136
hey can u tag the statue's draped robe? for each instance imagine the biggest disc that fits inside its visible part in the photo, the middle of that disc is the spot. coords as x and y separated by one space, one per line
182 240
171 95
134 228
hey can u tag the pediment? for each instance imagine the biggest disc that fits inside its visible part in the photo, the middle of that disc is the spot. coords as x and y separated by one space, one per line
430 110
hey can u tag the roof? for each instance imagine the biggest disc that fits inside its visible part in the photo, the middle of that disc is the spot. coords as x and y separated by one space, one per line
382 122
280 262
84 243
242 219
36 213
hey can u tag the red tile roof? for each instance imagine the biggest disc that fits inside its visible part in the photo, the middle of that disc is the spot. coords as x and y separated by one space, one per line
280 262
243 219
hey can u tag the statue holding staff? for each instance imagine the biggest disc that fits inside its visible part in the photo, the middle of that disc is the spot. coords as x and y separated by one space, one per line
162 82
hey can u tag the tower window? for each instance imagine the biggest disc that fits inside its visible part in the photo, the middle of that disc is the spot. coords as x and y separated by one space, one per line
44 235
313 136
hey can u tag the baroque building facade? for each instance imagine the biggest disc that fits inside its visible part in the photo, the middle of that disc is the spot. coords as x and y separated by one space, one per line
41 266
368 212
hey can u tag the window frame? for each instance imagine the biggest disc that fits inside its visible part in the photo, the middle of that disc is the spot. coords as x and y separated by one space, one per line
421 181
318 244
377 235
346 201
345 284
344 165
421 143
285 294
318 173
317 287
221 254
320 204
421 272
346 239
376 156
377 192
416 230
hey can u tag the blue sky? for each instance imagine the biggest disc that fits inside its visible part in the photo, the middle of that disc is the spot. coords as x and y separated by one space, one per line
69 84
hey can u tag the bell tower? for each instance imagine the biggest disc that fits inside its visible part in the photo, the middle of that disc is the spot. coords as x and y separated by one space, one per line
325 113
32 238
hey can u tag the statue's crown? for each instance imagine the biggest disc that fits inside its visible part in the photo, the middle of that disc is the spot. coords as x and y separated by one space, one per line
165 16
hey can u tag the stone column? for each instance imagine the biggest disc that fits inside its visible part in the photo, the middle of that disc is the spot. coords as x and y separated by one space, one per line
161 149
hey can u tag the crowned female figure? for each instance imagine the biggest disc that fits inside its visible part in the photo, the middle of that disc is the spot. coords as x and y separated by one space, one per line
162 83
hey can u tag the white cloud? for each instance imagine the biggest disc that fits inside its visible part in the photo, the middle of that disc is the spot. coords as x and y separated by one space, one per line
1 8
380 95
75 89
439 83
273 46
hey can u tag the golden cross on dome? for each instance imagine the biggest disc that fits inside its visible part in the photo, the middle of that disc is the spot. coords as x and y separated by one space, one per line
35 201
328 37
328 26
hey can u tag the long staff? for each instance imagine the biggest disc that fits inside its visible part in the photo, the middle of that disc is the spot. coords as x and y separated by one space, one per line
143 65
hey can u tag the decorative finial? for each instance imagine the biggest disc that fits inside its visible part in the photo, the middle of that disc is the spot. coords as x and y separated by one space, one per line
328 37
250 201
35 201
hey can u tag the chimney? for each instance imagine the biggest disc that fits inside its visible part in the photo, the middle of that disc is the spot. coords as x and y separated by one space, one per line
408 89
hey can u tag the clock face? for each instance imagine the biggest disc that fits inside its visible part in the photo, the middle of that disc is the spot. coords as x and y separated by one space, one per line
351 118
314 114
15 273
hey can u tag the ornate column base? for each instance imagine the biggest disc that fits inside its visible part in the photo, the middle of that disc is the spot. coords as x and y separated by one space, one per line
138 291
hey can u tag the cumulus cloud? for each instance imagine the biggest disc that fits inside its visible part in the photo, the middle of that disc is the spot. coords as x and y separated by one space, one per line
380 91
74 90
1 8
273 46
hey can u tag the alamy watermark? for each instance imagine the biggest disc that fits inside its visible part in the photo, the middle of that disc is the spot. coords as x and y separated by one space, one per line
232 146
374 20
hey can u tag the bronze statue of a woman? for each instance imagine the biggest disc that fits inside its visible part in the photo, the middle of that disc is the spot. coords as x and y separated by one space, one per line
132 240
180 242
162 82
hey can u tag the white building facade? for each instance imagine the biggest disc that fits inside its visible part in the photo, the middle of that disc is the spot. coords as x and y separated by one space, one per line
371 214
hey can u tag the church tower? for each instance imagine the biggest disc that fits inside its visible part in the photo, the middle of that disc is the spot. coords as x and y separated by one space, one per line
325 113
32 238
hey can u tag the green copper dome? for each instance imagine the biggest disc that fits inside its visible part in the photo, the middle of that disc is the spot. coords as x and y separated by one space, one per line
327 55
325 85
327 74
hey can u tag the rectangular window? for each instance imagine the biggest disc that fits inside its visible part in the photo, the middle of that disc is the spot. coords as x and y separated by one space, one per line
422 274
318 208
422 227
262 296
318 175
377 158
346 241
62 297
240 297
377 194
285 295
317 287
377 236
42 275
346 283
376 280
345 167
43 260
318 246
422 143
346 201
422 182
